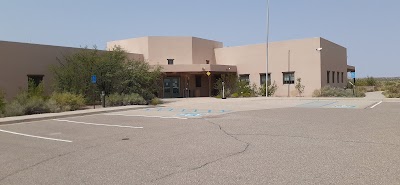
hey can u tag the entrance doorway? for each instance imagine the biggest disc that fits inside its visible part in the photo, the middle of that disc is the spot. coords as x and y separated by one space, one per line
171 87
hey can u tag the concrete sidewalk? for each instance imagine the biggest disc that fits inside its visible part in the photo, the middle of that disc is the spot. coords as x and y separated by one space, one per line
38 117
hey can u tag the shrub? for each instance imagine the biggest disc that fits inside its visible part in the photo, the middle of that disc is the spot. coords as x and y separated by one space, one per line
155 101
114 100
66 101
271 89
124 99
235 95
392 90
25 105
133 99
329 91
299 87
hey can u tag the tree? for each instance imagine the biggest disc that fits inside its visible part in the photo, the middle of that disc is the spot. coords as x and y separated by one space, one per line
299 87
115 73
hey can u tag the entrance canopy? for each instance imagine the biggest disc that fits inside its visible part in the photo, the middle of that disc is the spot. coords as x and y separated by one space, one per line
351 68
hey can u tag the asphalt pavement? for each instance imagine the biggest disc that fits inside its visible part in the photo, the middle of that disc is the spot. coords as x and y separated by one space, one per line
210 141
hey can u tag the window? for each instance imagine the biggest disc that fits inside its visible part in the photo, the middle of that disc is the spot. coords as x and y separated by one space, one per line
288 77
342 77
170 61
198 80
36 79
333 76
245 77
262 78
207 62
327 76
337 74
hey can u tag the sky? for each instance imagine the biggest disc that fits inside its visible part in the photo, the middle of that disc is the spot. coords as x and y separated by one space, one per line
369 29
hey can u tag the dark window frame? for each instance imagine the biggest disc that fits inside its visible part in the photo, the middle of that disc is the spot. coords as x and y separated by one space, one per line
245 77
342 77
338 77
207 61
333 77
37 79
328 75
291 77
262 82
170 61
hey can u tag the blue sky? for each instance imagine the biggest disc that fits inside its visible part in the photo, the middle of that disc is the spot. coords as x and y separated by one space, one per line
369 29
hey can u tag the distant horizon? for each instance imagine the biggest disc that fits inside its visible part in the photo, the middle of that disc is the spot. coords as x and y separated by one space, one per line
368 29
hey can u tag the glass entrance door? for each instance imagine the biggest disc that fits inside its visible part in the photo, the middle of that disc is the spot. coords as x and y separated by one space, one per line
171 87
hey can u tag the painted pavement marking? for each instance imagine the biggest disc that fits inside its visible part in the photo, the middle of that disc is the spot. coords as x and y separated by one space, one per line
96 124
38 137
373 106
146 116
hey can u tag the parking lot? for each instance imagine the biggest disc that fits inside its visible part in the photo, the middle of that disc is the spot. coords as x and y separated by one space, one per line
209 141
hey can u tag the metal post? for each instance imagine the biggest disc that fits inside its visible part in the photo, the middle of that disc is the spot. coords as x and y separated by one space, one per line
223 90
266 68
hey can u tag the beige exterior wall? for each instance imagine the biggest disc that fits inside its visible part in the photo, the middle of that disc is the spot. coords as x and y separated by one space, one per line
184 50
304 61
334 58
135 45
203 50
21 59
18 60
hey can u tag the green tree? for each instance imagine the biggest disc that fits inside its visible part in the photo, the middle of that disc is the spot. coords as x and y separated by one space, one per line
115 73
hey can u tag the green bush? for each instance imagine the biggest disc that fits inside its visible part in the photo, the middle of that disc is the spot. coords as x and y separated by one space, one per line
155 101
60 102
235 95
133 99
124 99
329 91
271 89
24 104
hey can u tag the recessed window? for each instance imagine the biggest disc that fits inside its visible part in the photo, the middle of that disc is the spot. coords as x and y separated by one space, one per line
333 76
207 62
337 76
342 76
36 79
288 77
328 74
262 78
244 77
198 80
170 61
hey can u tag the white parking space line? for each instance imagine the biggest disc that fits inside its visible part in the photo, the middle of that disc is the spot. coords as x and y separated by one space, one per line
162 117
373 106
96 124
39 137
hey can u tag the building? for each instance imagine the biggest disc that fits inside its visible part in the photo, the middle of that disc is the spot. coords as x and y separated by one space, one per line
192 65
187 60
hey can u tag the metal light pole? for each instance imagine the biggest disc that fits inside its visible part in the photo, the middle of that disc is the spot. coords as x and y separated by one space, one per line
266 68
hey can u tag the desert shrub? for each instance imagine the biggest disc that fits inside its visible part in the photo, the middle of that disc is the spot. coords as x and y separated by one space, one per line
329 91
66 101
155 101
125 99
27 102
114 100
23 104
133 99
392 90
271 89
235 95
14 108
299 86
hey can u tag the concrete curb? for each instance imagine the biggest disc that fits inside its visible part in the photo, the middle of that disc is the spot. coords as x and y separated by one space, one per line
39 117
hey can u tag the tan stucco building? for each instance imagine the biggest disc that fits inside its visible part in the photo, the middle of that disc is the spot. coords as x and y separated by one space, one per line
186 62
